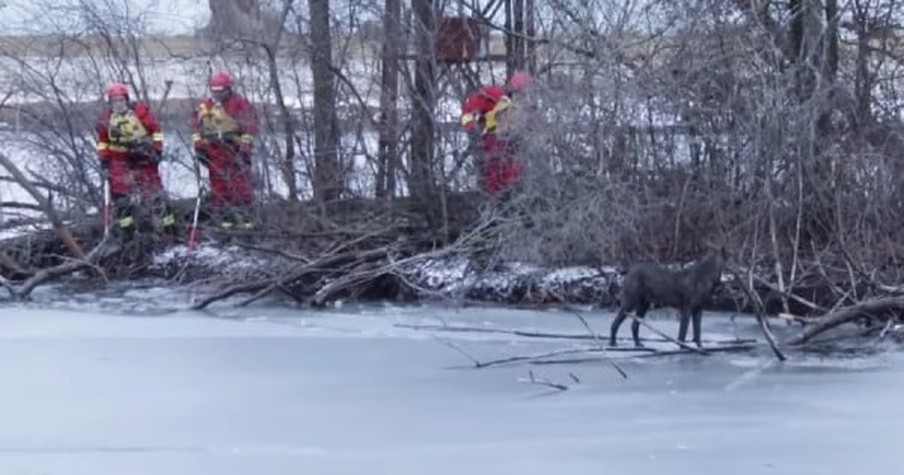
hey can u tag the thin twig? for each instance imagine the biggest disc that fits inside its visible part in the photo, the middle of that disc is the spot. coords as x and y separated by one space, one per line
513 359
649 354
477 363
278 252
587 326
681 344
890 323
759 311
599 344
788 295
542 382
538 334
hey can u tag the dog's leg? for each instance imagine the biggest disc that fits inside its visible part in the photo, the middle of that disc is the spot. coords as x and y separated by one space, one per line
613 331
685 318
642 308
698 317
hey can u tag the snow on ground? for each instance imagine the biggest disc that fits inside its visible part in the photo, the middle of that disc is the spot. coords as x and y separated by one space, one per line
462 277
455 277
209 255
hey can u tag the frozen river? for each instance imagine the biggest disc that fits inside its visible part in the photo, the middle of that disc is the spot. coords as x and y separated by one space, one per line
133 385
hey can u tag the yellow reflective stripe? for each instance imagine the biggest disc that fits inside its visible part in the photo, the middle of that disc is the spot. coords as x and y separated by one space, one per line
158 136
169 220
467 119
126 222
246 138
196 137
102 146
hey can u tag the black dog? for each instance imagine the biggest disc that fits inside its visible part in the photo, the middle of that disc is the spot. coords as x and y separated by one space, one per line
687 290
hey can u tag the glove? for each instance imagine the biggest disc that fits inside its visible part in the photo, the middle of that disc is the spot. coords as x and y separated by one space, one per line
157 156
139 159
474 140
474 136
105 165
473 133
243 159
232 139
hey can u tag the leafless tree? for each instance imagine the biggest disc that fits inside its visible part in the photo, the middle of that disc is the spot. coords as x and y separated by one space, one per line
327 182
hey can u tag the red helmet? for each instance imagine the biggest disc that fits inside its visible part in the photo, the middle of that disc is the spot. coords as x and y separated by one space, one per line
117 90
219 81
520 80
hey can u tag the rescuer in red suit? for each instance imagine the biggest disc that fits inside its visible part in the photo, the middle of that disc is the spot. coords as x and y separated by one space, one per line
493 117
130 147
225 125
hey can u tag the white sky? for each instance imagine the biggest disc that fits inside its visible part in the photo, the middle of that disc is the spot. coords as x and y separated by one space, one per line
42 16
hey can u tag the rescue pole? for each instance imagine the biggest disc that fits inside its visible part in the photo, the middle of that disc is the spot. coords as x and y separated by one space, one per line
108 211
193 233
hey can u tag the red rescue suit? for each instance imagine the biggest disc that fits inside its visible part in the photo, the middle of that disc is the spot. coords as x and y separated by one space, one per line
223 137
129 144
487 112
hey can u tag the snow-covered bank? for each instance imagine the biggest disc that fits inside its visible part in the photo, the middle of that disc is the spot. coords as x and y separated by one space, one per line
455 278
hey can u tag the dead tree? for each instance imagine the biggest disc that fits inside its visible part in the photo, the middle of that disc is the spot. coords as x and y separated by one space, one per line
422 181
327 182
389 92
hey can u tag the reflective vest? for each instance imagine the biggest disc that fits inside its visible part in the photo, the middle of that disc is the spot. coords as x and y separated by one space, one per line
125 131
507 117
216 121
499 118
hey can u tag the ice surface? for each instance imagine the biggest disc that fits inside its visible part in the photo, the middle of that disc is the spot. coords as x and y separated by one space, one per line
347 390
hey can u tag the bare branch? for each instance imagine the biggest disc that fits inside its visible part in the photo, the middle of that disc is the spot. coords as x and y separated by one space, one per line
543 382
843 315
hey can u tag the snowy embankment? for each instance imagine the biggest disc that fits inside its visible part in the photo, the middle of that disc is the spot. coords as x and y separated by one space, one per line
450 278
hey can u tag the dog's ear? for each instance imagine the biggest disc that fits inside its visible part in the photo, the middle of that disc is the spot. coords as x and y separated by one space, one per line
723 253
717 249
711 247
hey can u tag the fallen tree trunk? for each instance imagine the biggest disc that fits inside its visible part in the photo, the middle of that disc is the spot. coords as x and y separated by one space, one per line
23 290
843 315
292 282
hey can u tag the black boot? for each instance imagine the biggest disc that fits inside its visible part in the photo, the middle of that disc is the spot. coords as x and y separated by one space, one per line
163 218
244 217
124 223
